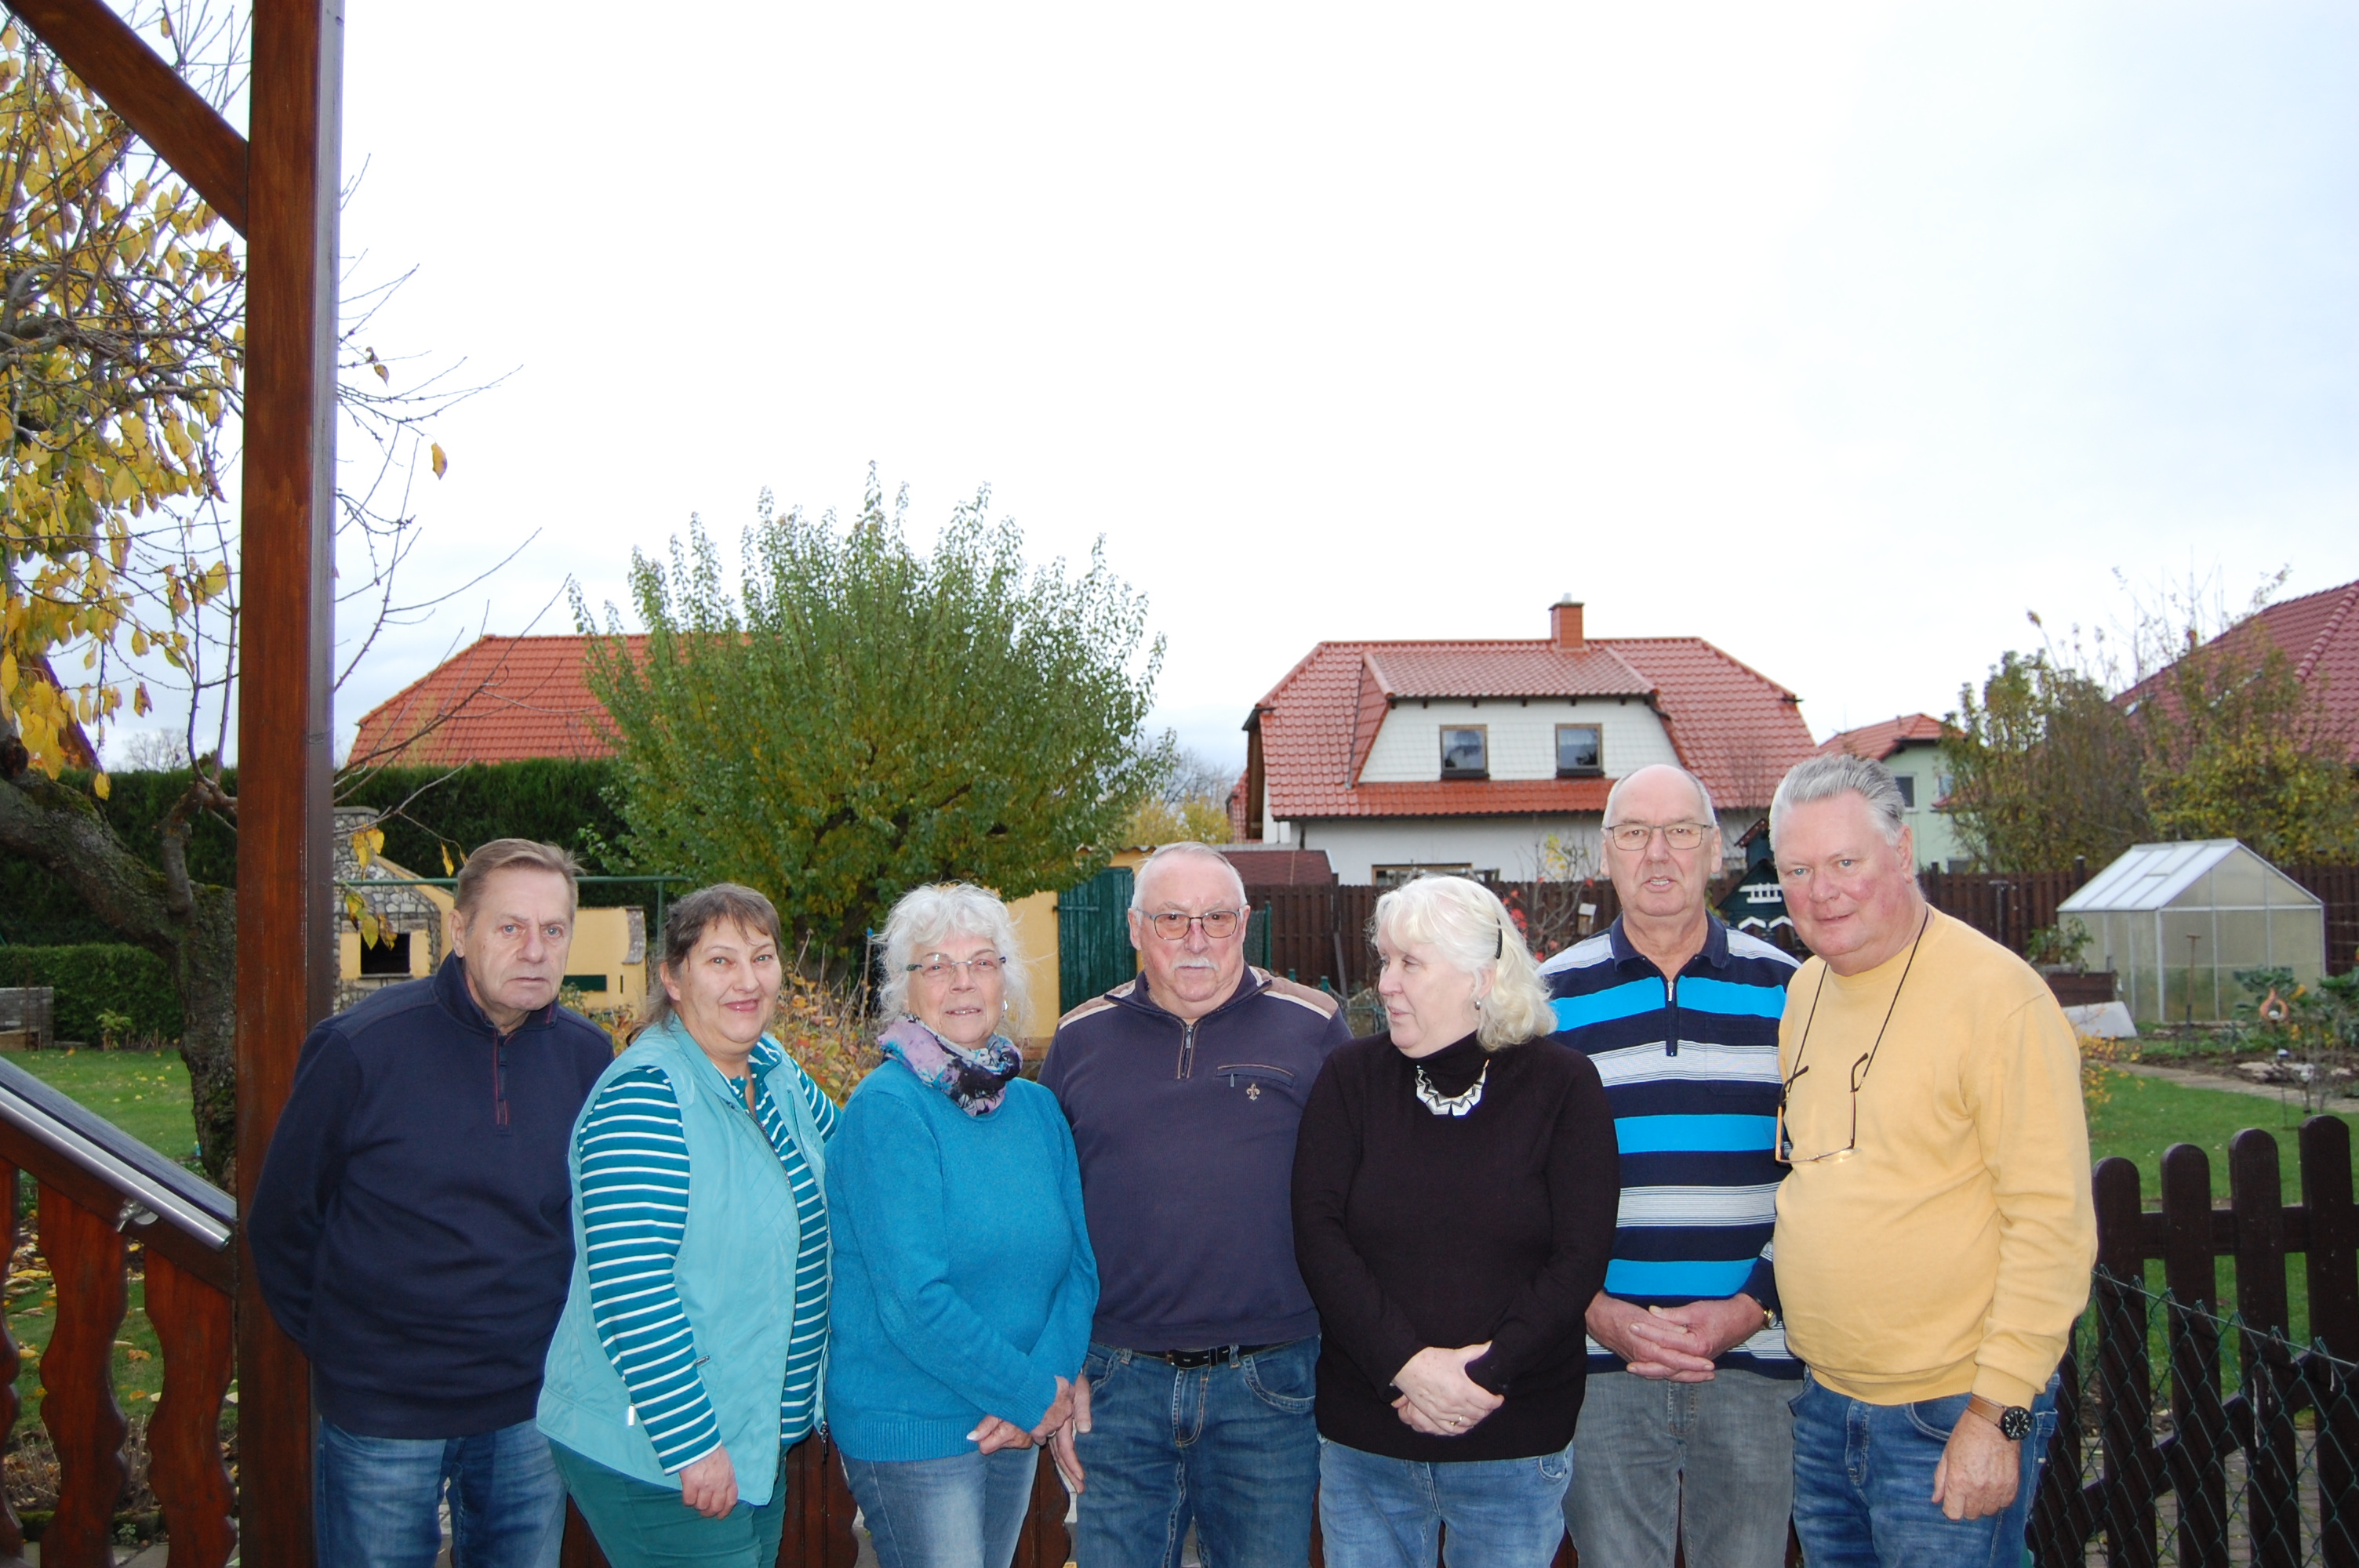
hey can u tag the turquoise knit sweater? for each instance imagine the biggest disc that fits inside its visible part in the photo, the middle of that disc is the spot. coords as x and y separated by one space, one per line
964 1282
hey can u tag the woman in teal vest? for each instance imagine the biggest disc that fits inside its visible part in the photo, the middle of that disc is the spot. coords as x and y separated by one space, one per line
678 1378
967 1284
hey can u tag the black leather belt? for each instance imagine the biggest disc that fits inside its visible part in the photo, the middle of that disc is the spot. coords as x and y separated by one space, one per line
1186 1360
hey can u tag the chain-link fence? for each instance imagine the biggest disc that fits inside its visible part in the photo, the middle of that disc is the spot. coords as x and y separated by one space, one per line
2186 1437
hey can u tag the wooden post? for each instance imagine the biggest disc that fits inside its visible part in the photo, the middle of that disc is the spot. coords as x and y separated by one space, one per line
286 944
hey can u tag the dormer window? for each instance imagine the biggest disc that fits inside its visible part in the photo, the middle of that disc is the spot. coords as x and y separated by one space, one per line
1580 752
1465 752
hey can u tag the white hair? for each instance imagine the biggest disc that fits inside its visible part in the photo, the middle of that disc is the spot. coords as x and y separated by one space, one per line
1466 924
1173 851
924 917
1839 772
1704 796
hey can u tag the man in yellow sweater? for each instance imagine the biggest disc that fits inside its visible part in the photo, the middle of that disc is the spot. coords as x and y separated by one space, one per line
1934 1229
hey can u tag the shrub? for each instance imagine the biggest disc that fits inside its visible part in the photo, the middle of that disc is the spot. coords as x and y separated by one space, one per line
95 977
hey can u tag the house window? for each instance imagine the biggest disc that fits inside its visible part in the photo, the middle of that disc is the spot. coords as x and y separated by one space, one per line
1394 876
1907 783
388 954
585 982
1579 750
1465 752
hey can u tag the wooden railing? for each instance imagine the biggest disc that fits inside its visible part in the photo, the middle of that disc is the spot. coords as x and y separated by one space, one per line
102 1191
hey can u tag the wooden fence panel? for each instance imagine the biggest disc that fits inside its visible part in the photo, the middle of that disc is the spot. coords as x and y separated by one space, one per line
2339 886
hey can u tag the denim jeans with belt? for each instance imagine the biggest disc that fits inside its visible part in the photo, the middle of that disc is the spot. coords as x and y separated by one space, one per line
1656 1461
1375 1512
1864 1484
376 1501
1231 1448
966 1511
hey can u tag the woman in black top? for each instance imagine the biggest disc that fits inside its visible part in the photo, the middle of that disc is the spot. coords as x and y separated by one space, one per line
1455 1186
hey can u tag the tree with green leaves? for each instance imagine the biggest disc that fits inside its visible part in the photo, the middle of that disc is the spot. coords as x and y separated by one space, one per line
863 717
2044 769
2237 747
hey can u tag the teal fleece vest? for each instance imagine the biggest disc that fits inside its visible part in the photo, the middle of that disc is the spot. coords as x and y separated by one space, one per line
735 1274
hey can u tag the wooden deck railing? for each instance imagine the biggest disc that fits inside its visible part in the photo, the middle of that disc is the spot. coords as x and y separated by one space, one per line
101 1190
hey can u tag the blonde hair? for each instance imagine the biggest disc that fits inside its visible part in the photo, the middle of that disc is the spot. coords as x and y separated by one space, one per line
926 914
1465 922
513 854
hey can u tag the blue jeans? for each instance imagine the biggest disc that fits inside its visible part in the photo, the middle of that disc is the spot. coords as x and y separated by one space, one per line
376 1500
641 1525
1864 1484
966 1511
1733 1441
1375 1512
1231 1448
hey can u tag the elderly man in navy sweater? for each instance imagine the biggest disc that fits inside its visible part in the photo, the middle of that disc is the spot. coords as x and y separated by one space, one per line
412 1230
1689 1373
1184 1088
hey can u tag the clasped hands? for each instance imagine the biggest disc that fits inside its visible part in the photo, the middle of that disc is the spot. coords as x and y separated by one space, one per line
1437 1397
1676 1343
1069 1413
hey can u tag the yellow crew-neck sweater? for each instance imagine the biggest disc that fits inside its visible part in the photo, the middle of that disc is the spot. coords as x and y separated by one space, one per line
1949 1252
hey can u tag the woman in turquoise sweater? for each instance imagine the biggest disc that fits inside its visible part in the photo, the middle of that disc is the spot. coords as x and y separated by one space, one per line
964 1282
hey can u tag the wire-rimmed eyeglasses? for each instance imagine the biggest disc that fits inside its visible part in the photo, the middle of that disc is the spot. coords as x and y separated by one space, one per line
1784 1150
1172 925
941 966
1676 835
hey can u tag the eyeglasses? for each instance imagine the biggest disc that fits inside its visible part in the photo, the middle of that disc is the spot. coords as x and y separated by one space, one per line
1676 835
941 966
1172 925
1784 1151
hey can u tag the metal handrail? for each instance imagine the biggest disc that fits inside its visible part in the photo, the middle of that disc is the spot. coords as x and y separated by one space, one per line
145 1179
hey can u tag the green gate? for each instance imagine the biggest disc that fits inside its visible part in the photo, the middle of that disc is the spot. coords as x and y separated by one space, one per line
1094 951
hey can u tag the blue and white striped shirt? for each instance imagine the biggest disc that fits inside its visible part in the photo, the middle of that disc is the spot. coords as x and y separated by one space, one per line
1690 1071
634 1174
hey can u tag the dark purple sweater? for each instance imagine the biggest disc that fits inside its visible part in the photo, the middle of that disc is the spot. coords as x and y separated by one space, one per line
1186 1139
1416 1230
412 1230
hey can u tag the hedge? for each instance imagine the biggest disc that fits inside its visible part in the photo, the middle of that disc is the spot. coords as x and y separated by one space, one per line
92 978
557 801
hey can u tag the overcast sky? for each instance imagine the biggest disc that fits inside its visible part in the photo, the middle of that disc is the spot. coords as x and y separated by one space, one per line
1840 336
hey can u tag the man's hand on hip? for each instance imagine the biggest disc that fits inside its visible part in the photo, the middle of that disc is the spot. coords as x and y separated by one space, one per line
1652 1344
1979 1470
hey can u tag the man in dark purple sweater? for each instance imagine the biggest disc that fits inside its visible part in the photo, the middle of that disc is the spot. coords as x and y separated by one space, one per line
1184 1088
412 1231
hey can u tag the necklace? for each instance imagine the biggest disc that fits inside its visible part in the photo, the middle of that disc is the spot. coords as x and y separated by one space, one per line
1434 1100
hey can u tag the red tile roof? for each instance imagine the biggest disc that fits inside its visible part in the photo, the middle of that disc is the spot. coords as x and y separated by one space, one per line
1877 742
2320 632
1737 730
1273 865
501 699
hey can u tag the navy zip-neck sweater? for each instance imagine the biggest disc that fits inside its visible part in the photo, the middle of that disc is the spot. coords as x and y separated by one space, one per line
411 1229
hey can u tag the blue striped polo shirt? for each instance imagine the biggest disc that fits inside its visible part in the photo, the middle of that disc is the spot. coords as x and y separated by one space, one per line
1690 1071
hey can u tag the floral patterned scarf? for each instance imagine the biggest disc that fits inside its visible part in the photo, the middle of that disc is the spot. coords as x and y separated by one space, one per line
977 1079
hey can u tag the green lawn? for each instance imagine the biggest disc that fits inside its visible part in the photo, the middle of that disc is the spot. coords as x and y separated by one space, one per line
145 1093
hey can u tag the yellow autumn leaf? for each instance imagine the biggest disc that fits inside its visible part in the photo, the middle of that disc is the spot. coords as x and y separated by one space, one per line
101 785
440 462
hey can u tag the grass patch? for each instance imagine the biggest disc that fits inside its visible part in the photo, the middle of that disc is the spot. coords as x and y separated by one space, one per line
145 1093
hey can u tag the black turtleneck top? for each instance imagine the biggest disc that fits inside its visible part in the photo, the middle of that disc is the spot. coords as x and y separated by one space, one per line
1415 1229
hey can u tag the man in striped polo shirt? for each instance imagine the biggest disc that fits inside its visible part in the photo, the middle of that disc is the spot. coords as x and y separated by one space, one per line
1689 1373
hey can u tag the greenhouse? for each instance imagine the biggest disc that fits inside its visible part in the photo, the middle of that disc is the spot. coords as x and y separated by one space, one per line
2175 921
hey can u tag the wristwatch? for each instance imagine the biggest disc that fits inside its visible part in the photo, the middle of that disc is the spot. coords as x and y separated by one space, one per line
2014 1421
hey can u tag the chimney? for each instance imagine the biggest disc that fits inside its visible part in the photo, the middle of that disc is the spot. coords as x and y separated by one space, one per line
1564 625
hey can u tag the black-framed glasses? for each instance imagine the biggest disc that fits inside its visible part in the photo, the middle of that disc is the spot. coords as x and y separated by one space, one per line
1676 835
1172 925
1782 1152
